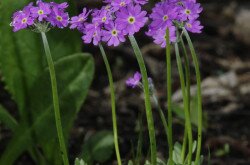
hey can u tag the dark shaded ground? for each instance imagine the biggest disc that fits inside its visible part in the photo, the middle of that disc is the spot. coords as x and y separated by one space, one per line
225 67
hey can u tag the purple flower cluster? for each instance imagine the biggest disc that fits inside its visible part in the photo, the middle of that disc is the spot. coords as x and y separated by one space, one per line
42 12
172 13
112 22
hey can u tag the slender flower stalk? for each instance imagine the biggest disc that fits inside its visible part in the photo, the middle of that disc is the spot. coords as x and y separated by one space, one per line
162 116
199 97
184 145
187 71
149 114
184 95
112 92
169 96
55 99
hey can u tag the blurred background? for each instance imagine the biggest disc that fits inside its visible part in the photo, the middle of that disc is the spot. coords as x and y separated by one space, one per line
223 49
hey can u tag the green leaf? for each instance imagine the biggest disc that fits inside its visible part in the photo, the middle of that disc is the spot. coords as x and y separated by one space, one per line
74 76
7 119
130 162
177 153
79 162
194 146
98 147
22 57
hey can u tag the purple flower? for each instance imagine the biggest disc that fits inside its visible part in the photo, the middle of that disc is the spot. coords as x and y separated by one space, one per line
62 6
190 10
194 26
117 4
131 18
78 21
34 16
92 32
112 34
58 17
21 20
102 16
134 81
160 36
163 15
141 2
41 12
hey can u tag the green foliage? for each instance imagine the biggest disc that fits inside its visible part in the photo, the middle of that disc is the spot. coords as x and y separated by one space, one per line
24 71
7 119
74 82
177 154
98 147
223 151
179 111
79 162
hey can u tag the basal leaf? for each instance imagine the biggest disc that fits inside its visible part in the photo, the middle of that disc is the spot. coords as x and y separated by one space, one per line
74 76
98 147
7 119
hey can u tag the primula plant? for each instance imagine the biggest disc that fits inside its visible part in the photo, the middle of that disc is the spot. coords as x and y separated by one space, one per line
169 23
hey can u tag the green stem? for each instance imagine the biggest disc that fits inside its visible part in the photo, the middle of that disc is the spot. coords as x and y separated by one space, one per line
149 114
112 93
162 116
169 97
199 97
184 95
187 71
55 100
184 144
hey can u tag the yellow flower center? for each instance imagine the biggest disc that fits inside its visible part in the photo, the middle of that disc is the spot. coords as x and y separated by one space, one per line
40 12
24 20
104 19
114 32
189 25
131 20
165 18
188 12
179 3
59 18
122 4
80 19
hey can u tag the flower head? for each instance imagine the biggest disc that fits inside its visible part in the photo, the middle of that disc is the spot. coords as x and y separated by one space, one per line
190 11
117 4
159 36
194 26
134 81
78 21
40 15
58 17
131 18
92 34
102 16
173 14
163 15
21 20
141 2
112 34
41 11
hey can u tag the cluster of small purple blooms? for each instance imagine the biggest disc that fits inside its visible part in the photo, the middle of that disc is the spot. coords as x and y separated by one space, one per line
173 14
112 23
41 13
